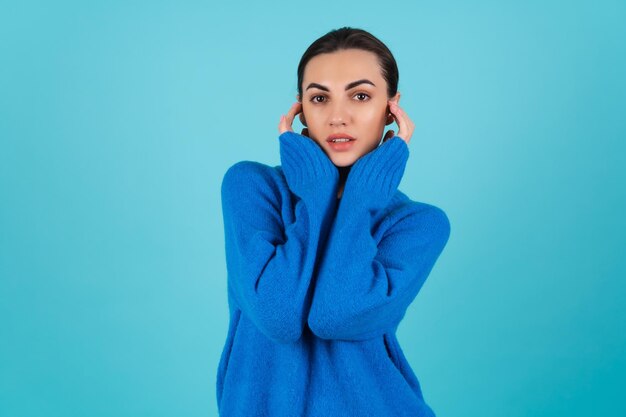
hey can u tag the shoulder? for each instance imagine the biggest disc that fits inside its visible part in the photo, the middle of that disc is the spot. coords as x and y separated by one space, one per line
406 213
244 171
251 175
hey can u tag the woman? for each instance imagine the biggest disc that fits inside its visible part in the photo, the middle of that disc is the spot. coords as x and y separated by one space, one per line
324 253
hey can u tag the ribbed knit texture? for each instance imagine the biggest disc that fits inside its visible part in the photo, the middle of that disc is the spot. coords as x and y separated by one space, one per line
317 286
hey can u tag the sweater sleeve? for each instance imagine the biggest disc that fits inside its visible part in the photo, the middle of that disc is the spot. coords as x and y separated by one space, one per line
364 287
270 263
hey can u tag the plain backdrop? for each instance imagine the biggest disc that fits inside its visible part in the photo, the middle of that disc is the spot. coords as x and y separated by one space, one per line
118 120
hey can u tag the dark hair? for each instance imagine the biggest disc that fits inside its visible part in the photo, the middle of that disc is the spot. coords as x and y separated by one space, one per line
353 38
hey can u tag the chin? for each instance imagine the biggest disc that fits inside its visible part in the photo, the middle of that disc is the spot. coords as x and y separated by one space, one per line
344 161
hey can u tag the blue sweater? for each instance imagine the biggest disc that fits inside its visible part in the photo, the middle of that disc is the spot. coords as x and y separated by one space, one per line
318 285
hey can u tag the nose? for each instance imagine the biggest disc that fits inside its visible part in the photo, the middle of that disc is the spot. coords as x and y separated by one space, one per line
339 115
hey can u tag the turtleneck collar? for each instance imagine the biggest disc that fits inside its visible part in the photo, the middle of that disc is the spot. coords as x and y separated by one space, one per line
343 173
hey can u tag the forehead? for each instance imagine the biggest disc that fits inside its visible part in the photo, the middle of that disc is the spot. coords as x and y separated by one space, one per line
338 68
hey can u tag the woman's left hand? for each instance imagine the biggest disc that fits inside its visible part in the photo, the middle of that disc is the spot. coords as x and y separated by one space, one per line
405 124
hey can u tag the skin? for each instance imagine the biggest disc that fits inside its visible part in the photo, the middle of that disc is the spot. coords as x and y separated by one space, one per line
362 112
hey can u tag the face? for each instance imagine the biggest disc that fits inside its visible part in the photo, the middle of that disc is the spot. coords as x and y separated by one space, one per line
344 93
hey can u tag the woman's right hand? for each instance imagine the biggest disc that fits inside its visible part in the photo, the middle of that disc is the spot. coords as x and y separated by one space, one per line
287 120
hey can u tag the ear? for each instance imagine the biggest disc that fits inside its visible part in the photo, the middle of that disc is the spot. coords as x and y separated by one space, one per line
301 115
390 118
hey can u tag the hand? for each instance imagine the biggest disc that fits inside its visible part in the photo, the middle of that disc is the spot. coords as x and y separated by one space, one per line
287 120
403 121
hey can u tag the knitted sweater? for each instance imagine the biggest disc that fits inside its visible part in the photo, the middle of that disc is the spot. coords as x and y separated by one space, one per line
318 285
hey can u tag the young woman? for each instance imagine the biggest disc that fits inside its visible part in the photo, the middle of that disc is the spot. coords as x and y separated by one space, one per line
324 253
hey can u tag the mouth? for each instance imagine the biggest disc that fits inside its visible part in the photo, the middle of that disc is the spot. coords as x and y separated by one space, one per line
340 141
340 138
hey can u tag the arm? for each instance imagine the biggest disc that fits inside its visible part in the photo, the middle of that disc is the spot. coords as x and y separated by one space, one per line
364 287
270 263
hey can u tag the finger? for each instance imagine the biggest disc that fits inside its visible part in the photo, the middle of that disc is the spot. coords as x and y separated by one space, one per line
293 111
286 121
399 117
282 125
404 130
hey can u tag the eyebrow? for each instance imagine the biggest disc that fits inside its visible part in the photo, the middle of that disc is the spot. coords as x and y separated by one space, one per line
349 86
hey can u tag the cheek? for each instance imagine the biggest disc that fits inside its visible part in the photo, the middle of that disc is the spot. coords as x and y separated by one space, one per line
373 114
313 121
312 114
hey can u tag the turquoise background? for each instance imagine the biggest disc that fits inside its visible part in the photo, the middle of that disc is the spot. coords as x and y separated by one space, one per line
119 119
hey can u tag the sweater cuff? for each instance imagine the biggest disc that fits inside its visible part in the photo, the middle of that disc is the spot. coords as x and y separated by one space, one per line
304 162
378 173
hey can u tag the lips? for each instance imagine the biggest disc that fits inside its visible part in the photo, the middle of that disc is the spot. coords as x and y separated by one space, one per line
342 146
339 136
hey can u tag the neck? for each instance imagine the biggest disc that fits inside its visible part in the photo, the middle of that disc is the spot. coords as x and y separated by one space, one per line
343 176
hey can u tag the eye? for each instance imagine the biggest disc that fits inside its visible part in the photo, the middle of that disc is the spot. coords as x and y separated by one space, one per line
313 99
362 94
